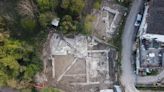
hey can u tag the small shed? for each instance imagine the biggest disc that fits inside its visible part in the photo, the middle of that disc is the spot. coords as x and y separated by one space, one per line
55 22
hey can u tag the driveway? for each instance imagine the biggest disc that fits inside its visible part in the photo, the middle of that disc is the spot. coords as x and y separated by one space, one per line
128 77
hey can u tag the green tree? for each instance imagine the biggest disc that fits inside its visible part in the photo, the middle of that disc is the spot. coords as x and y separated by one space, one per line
45 5
65 4
16 61
30 71
97 4
2 24
46 18
8 60
77 6
28 24
3 78
67 24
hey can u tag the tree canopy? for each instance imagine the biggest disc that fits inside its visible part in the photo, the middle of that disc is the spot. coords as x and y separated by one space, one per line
46 18
97 4
28 24
75 6
15 61
18 63
45 5
67 24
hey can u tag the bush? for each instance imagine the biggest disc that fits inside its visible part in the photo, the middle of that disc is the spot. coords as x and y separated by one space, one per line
75 6
67 25
97 4
45 5
50 89
2 24
88 27
28 24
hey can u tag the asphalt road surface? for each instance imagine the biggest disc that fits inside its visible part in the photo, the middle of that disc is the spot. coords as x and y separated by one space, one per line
150 79
128 76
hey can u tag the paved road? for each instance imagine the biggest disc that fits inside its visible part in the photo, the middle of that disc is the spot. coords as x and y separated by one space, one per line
128 76
150 79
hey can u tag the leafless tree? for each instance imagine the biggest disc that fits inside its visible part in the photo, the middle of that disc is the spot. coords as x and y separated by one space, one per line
26 8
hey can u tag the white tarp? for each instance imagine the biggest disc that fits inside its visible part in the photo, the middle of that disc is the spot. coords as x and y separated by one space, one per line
157 37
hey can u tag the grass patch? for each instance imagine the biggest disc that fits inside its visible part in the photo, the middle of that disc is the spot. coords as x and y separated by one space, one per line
50 89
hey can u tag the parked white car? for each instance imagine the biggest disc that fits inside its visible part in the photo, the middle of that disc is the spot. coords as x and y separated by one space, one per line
138 20
117 88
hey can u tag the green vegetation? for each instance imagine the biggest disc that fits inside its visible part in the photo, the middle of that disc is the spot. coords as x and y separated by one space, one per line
69 12
28 24
97 4
75 6
65 4
67 24
71 20
50 89
152 87
26 90
46 18
88 27
116 41
153 72
45 5
23 25
18 63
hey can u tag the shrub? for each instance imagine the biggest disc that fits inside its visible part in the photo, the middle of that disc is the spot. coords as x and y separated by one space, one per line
28 24
97 4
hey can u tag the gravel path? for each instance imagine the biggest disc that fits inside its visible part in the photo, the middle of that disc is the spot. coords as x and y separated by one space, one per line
128 76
